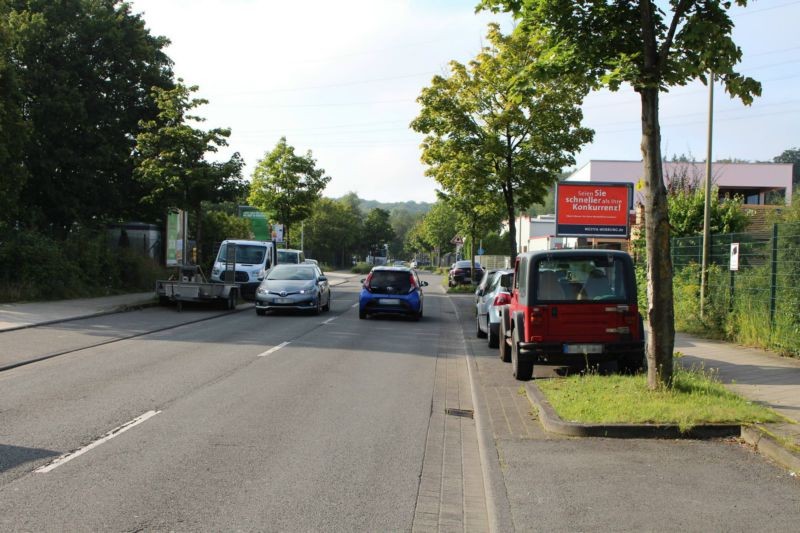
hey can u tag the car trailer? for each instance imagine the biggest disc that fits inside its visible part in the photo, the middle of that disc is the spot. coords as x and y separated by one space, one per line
191 286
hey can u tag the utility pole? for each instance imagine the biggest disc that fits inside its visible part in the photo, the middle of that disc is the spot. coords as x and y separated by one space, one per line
707 206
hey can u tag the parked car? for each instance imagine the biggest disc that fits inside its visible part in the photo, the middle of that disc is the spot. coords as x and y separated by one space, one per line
297 287
461 273
572 308
391 290
492 294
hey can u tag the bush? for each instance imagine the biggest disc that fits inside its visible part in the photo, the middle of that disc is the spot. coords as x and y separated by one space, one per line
34 266
361 268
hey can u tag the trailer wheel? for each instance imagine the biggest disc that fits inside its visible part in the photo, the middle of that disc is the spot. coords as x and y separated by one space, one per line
163 301
231 300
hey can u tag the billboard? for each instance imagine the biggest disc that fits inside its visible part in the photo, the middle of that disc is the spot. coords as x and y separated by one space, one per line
175 234
588 209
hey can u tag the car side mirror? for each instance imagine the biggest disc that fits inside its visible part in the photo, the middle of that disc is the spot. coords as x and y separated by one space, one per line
322 278
479 292
423 283
363 280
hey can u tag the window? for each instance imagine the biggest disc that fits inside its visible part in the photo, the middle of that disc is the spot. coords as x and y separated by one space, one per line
245 253
586 279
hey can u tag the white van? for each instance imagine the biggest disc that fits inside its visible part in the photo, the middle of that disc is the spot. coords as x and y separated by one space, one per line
287 255
253 259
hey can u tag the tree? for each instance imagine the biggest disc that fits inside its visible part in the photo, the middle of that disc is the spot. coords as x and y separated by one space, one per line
686 201
475 215
377 231
439 227
171 158
13 129
651 46
489 130
333 231
791 156
287 184
86 69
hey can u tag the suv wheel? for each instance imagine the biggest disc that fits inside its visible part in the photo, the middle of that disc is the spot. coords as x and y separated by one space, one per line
522 371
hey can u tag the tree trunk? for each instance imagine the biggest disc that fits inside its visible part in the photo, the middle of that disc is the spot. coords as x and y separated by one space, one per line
660 313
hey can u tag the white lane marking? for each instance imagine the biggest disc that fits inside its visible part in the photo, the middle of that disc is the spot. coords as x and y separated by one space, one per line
354 305
330 320
273 349
108 436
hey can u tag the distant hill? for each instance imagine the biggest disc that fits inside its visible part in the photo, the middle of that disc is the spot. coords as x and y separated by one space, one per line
411 207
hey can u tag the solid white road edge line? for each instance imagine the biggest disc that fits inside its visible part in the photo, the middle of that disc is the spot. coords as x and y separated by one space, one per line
330 320
354 305
273 349
108 436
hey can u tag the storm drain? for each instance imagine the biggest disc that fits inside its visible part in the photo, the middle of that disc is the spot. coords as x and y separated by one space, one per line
466 413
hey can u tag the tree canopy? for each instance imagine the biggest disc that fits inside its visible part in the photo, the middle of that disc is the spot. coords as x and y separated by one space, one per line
493 133
287 184
82 71
171 157
651 46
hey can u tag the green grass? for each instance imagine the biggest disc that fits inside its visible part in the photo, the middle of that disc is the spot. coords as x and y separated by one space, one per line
697 397
461 289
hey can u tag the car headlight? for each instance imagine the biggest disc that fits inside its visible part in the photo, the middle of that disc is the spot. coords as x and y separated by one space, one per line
215 271
261 290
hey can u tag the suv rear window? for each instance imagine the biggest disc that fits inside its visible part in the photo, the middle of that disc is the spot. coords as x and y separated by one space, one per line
387 281
588 279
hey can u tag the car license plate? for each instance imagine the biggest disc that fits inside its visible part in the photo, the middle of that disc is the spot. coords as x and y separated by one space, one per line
583 348
283 300
467 280
389 301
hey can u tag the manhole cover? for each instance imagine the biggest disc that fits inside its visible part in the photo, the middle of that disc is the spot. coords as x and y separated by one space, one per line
467 413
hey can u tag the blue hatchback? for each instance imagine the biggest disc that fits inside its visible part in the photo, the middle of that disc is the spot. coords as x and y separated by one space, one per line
391 290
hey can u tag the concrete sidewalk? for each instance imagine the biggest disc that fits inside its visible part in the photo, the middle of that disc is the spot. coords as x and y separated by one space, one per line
23 315
757 375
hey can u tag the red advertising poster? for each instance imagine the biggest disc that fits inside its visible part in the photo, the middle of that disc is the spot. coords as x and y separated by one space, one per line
585 209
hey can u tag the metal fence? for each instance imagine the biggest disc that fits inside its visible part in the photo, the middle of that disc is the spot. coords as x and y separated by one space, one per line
761 296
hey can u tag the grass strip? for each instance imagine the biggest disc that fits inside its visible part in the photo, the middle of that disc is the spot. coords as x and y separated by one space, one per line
696 398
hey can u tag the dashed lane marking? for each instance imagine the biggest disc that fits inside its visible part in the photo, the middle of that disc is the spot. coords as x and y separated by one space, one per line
105 438
273 349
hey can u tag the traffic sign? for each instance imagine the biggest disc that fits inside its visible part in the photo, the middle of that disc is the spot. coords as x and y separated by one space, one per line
458 240
480 251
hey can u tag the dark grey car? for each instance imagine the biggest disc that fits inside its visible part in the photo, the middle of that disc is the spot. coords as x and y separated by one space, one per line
296 287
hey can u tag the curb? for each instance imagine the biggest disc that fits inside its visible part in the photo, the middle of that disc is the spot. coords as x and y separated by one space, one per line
554 424
498 508
759 437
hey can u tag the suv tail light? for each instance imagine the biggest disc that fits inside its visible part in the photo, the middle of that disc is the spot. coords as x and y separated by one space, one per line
502 299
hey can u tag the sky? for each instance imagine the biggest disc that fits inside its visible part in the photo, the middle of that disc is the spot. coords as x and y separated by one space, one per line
341 79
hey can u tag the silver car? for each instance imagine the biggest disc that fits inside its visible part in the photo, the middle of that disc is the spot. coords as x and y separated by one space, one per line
292 286
489 297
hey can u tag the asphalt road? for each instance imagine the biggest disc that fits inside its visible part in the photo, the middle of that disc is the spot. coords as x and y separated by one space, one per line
234 429
326 432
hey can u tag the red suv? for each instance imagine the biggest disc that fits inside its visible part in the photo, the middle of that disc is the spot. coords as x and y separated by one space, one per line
572 308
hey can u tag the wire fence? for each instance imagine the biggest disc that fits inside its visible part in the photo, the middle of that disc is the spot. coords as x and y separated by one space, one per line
753 291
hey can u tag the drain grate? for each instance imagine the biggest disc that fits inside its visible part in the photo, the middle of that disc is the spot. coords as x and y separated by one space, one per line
466 413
